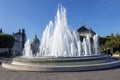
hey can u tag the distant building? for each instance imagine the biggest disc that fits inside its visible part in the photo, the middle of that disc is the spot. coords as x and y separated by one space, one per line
20 39
35 45
84 31
1 30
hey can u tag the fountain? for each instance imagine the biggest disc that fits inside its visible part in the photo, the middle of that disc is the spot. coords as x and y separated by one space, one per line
62 50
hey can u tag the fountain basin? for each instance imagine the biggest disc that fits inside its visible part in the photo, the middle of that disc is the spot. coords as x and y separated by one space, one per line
86 63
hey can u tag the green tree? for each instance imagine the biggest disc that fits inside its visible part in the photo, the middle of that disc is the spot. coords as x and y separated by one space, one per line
6 41
112 42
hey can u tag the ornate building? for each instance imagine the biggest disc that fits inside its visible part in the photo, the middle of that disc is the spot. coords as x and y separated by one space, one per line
35 45
84 31
20 38
1 30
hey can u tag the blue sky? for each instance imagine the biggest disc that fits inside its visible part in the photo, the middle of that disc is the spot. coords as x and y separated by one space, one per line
103 16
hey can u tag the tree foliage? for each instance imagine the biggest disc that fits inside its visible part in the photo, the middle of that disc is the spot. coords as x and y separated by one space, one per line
112 41
6 41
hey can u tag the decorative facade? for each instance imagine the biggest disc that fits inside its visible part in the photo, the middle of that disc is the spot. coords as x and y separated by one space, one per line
84 31
1 30
20 38
35 45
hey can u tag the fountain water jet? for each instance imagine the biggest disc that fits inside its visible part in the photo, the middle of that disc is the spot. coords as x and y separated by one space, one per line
27 52
62 50
59 41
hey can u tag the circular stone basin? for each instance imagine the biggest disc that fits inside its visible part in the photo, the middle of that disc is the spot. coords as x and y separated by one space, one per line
84 63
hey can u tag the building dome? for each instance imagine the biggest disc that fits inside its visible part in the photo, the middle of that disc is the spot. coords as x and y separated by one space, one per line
35 40
35 45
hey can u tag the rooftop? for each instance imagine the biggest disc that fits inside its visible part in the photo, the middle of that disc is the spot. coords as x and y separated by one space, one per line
84 29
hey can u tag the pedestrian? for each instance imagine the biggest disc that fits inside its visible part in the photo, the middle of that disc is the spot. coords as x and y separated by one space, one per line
109 52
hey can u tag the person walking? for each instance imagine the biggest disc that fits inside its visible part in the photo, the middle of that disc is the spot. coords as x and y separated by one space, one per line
109 52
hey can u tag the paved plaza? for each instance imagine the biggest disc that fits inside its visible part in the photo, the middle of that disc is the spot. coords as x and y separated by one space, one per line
111 74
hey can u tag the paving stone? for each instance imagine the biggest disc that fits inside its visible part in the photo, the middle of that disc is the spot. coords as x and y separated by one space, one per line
111 74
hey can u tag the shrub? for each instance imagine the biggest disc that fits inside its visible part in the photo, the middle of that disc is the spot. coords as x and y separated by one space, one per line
6 41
